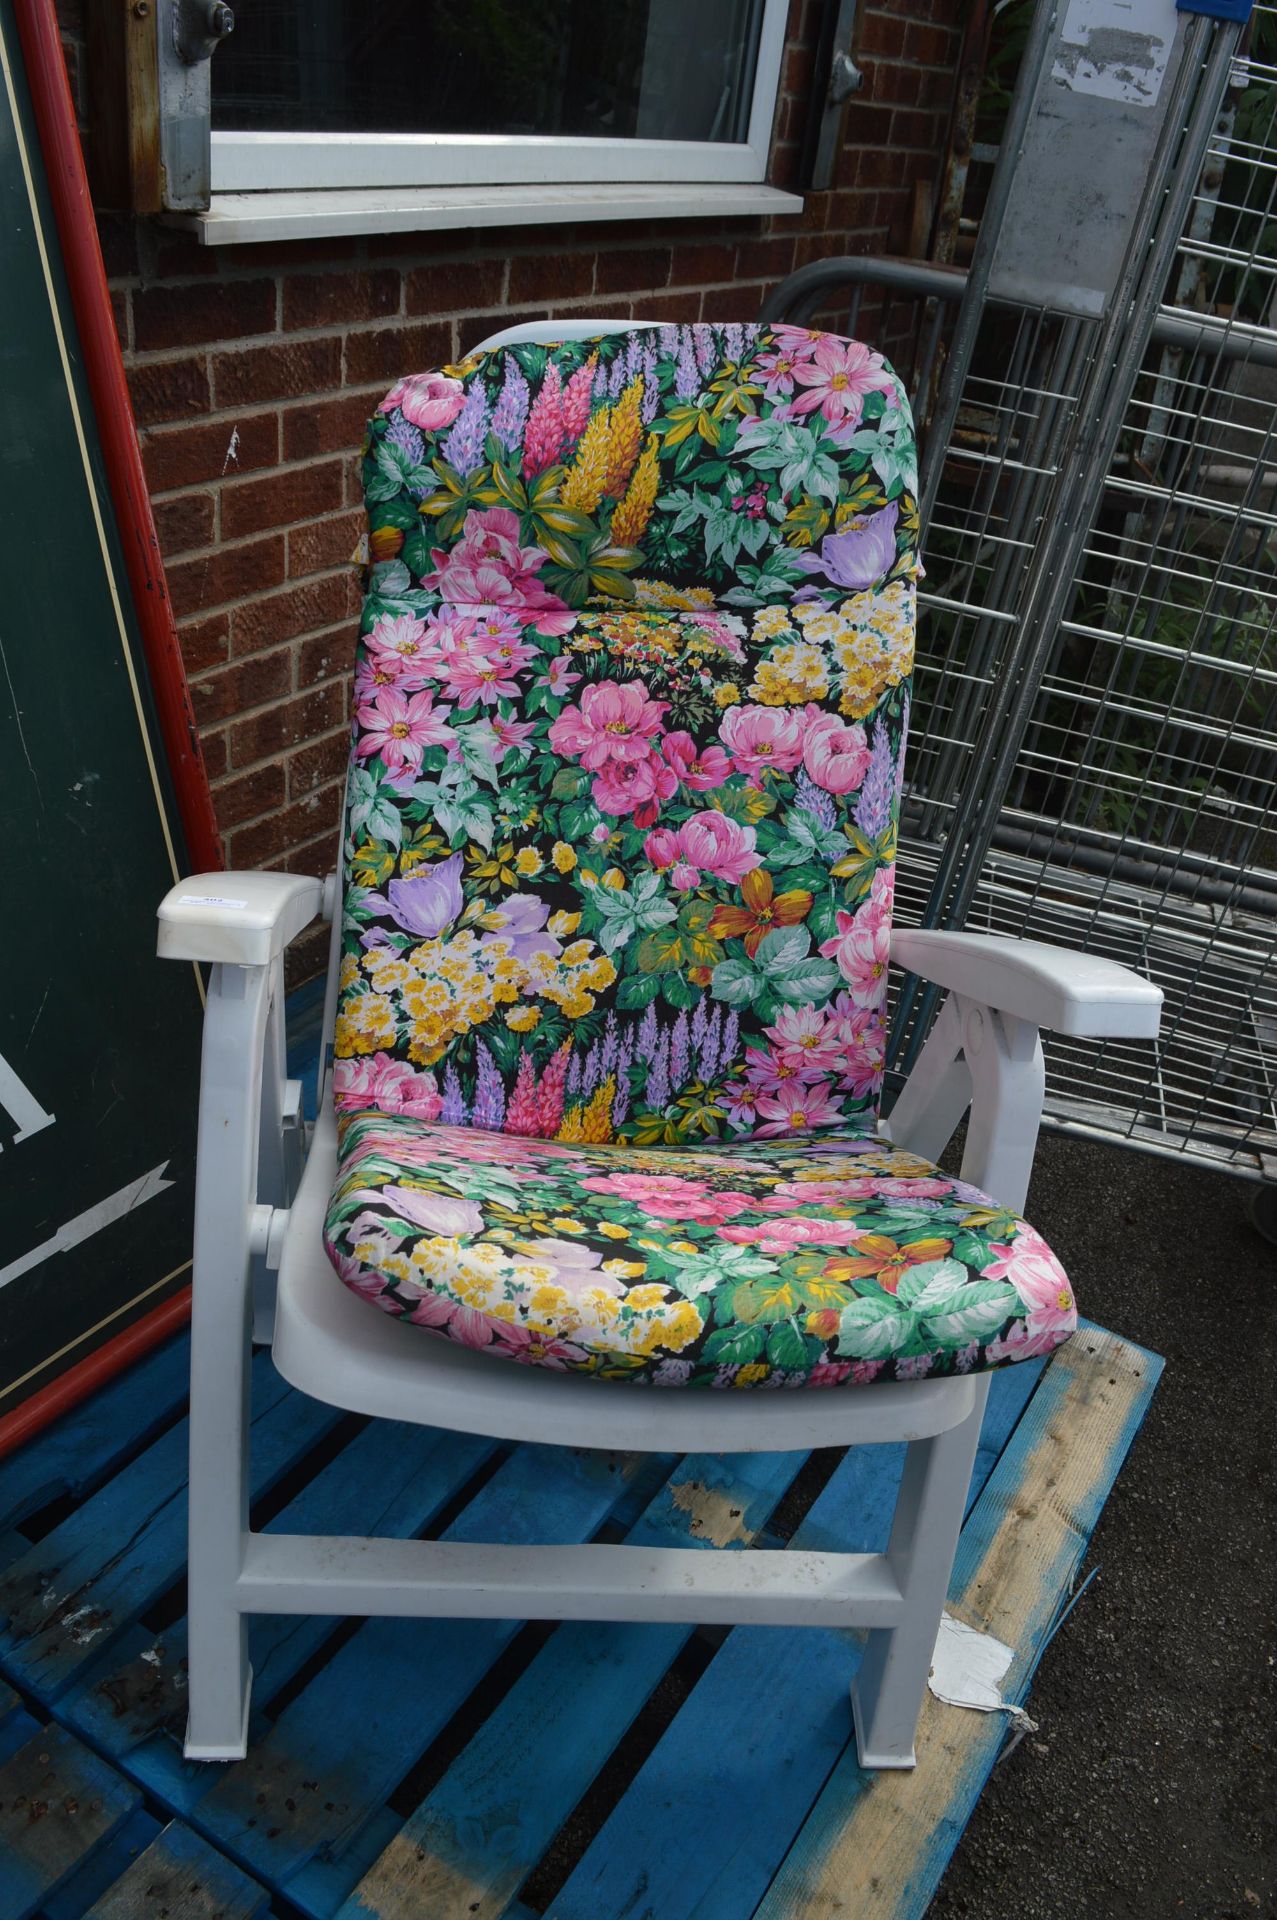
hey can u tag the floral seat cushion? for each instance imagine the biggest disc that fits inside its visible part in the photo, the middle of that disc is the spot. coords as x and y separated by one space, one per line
772 1263
631 697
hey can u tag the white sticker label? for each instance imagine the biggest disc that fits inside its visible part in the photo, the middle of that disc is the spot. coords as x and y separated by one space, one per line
1115 49
208 900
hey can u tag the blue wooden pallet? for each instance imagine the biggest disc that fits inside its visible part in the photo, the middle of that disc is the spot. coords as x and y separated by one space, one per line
404 1770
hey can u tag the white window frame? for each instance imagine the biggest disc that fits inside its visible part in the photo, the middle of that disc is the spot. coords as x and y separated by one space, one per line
318 162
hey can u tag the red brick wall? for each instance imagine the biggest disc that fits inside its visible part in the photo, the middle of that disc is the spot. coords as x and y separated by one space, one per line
253 370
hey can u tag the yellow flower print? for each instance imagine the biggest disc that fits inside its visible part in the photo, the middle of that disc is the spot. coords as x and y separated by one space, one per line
659 593
348 972
749 1376
523 1019
528 863
366 1025
613 1231
627 1270
792 674
564 1223
770 621
563 856
649 1295
726 695
681 1327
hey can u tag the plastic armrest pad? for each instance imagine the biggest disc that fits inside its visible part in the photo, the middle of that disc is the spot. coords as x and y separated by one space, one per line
244 919
1052 987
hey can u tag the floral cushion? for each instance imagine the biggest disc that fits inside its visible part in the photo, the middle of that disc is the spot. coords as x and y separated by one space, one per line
631 699
771 1263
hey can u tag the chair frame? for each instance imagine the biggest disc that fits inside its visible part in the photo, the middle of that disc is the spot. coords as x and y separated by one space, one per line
260 1273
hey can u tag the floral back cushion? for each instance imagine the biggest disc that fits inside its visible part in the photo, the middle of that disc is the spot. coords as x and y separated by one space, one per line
631 699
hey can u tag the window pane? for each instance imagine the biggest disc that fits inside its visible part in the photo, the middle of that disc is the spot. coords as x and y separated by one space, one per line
648 69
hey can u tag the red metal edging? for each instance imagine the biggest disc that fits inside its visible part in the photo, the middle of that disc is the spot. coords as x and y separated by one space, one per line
78 1382
104 367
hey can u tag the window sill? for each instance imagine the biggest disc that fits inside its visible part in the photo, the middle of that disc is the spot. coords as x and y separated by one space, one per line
237 218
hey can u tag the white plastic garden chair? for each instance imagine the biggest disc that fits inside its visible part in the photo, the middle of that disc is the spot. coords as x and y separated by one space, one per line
261 1273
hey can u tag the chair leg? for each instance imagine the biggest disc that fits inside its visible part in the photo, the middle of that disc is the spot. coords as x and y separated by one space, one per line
220 1679
219 1676
887 1695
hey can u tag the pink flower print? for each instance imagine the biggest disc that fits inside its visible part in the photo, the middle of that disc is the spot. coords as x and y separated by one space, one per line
466 1325
486 677
430 400
577 396
835 755
762 740
865 1053
530 1349
487 566
390 1085
1043 1286
740 1099
921 1189
701 769
510 733
765 1071
670 1197
777 371
829 1373
543 435
614 721
661 848
806 1041
496 627
817 1193
711 843
558 675
375 671
788 1236
795 1108
635 787
836 379
862 947
400 727
402 642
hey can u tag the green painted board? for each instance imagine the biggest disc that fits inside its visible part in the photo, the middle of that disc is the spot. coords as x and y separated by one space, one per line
98 1042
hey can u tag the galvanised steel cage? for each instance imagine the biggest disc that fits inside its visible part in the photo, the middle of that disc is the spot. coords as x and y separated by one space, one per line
1094 754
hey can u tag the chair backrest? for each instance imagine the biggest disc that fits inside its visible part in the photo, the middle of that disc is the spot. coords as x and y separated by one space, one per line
631 699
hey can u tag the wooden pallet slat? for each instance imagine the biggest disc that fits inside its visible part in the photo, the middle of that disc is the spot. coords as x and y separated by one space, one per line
876 1845
58 1803
180 1877
762 1728
306 1786
68 1598
86 1446
468 1847
391 1479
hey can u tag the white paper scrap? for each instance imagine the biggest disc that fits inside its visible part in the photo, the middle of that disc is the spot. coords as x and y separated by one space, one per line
966 1668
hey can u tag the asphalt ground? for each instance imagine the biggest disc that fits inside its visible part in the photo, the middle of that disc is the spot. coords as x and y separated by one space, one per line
1150 1789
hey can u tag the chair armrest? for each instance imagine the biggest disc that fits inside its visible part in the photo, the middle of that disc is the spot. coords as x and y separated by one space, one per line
1052 987
244 919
